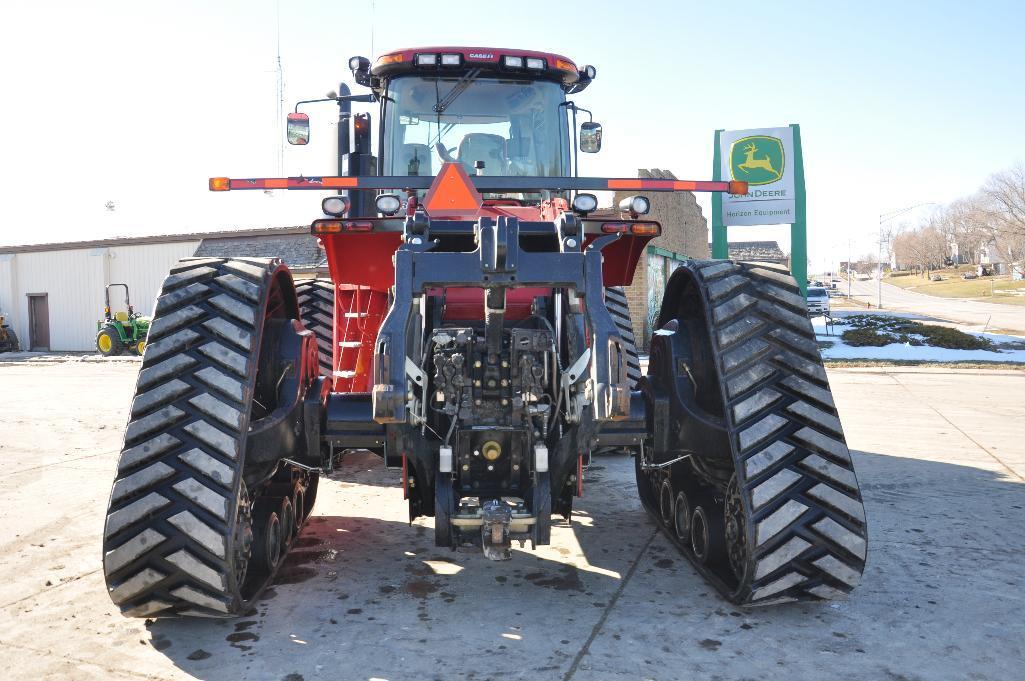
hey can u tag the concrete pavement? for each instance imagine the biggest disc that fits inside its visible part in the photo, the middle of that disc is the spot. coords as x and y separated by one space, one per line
978 315
939 454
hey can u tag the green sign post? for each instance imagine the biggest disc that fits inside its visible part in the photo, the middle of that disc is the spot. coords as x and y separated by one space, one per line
776 194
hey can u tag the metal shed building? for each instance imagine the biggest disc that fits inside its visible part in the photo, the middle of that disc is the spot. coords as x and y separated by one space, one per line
52 294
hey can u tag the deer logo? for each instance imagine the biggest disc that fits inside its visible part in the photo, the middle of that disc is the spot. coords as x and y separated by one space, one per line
758 159
751 162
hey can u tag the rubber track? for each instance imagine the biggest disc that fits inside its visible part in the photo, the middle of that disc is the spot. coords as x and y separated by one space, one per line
806 526
615 301
317 309
166 545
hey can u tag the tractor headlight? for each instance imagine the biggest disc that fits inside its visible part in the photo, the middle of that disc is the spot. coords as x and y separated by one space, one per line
535 64
512 62
388 204
635 205
335 206
585 203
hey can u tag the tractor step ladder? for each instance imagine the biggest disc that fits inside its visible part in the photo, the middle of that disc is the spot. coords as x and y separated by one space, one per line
359 312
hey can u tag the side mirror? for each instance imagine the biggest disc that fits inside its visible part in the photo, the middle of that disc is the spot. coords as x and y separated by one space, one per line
298 129
590 137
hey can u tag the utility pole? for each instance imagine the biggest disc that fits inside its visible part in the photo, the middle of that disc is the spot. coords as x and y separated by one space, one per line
848 270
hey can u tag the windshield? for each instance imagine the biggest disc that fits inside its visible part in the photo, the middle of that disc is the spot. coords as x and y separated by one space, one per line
817 292
514 127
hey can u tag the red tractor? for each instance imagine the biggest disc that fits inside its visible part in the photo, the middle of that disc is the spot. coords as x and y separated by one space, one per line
474 335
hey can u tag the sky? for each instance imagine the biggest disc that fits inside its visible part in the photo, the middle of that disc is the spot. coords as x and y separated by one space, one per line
138 103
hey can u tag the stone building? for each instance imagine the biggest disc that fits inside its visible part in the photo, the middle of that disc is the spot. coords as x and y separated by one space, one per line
684 235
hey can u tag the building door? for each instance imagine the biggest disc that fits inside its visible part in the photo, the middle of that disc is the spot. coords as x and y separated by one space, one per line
38 322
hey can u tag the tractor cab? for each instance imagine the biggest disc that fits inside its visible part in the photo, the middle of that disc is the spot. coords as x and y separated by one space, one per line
497 113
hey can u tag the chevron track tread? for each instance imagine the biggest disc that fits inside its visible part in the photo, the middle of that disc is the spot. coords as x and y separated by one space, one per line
806 532
173 503
317 309
615 301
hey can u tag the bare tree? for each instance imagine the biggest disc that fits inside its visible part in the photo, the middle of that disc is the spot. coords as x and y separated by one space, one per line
934 247
906 249
1003 198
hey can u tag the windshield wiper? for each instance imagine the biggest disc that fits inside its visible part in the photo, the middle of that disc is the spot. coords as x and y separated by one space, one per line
457 89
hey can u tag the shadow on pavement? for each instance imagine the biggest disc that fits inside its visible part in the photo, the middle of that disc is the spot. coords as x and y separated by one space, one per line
363 597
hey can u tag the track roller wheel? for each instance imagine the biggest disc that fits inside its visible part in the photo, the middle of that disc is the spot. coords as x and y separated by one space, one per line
754 438
666 499
190 528
682 517
298 501
707 538
269 537
288 524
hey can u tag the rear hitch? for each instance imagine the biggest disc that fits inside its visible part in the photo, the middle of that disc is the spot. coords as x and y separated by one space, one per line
495 530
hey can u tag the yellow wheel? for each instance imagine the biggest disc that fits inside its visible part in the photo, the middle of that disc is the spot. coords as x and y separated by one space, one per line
107 343
140 347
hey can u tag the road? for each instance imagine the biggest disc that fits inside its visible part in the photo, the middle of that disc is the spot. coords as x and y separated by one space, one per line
959 310
366 596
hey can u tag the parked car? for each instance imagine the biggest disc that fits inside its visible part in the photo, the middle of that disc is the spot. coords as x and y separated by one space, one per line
818 301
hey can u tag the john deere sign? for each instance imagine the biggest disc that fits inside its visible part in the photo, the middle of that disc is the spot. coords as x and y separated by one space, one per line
762 159
770 160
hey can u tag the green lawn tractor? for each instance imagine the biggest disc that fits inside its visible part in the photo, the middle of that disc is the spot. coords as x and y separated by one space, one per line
123 330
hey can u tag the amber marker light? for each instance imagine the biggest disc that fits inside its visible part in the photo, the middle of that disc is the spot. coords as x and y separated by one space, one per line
646 228
738 187
327 226
220 184
615 227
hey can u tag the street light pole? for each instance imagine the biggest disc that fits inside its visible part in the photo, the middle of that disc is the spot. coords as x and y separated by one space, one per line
879 268
886 217
848 270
